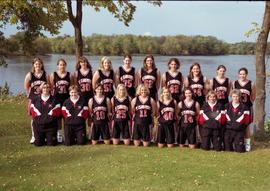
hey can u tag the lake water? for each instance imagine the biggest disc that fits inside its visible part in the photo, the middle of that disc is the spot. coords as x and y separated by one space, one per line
19 66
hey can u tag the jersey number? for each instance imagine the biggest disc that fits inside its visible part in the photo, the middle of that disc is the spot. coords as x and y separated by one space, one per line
85 87
143 113
188 119
121 114
168 116
100 115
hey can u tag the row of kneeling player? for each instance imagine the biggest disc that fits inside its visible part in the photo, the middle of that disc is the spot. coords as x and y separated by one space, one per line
126 118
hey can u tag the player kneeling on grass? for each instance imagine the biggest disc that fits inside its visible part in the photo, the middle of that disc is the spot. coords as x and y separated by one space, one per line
75 113
189 110
121 120
211 118
144 109
100 108
45 111
237 120
166 119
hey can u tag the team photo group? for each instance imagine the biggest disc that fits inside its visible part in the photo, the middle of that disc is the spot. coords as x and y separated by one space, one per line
112 105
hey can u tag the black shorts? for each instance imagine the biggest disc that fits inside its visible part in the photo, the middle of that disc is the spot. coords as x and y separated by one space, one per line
141 132
165 133
234 140
100 130
75 134
121 128
41 134
187 133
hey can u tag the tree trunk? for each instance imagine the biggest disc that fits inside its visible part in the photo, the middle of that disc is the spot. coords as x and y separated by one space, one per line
77 24
260 72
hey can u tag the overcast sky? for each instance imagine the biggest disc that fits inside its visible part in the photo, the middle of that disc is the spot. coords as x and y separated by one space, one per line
227 21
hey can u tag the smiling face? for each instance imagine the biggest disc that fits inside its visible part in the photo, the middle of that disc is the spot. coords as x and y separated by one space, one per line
99 90
242 75
107 64
212 98
149 62
173 66
37 66
122 91
144 92
127 61
74 94
83 64
188 94
166 93
235 98
221 72
45 90
61 66
196 70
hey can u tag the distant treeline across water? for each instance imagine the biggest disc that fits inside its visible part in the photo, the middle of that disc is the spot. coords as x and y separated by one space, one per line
97 44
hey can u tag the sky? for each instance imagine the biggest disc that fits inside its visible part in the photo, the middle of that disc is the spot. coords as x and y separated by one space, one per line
228 21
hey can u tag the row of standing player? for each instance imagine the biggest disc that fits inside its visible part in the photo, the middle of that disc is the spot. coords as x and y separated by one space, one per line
148 75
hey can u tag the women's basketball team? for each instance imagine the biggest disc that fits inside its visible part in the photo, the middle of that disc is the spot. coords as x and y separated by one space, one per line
123 105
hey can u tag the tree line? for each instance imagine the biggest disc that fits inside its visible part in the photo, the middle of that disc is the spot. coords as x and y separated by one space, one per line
98 44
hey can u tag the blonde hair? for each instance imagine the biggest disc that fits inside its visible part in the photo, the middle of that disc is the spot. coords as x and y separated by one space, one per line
162 96
44 84
73 87
118 89
102 60
138 90
211 92
236 92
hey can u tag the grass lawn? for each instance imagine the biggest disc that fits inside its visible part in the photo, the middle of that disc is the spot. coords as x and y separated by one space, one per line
101 167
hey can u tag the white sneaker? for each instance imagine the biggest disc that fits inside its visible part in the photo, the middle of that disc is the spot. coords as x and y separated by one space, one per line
59 137
248 147
32 140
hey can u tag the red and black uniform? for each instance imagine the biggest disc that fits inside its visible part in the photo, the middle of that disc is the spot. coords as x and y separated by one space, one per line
222 90
237 120
211 120
150 81
142 119
198 89
166 121
246 91
45 114
61 85
75 115
35 83
100 120
128 79
107 83
174 84
85 85
187 124
121 118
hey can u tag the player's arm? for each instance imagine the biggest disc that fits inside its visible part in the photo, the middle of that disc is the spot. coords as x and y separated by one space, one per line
95 79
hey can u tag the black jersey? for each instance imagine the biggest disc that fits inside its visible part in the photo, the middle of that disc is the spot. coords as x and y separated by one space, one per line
166 113
35 83
198 89
212 117
222 90
143 111
121 109
150 80
61 85
188 115
85 85
107 83
246 91
174 84
75 114
128 79
237 118
45 113
100 111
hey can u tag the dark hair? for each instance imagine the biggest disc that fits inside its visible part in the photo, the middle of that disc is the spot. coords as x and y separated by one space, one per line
144 61
191 67
221 66
128 56
174 60
63 60
243 69
183 97
83 59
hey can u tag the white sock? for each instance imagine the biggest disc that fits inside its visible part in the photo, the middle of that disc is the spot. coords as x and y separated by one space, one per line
247 141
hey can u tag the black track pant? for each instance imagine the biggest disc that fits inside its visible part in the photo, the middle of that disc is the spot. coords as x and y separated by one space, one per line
234 140
75 134
210 136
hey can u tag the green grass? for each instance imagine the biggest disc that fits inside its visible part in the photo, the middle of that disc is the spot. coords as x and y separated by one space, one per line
102 167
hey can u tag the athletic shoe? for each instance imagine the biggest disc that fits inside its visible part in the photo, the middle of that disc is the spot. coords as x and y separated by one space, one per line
248 147
32 140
